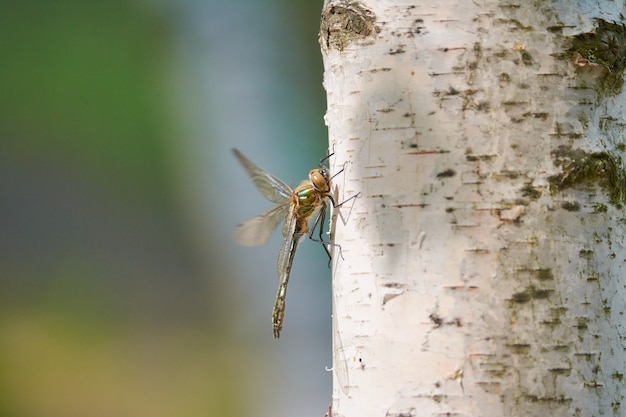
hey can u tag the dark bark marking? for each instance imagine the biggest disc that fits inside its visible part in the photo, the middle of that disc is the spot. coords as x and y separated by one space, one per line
582 169
601 53
344 23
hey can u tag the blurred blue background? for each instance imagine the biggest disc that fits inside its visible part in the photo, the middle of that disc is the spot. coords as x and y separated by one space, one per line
123 292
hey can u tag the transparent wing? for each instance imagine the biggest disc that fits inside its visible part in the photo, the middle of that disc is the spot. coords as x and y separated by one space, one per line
287 252
271 187
258 230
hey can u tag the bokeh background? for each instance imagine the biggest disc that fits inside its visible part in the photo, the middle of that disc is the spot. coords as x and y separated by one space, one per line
122 290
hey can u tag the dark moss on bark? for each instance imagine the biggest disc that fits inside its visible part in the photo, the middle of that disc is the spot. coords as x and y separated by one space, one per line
602 52
581 169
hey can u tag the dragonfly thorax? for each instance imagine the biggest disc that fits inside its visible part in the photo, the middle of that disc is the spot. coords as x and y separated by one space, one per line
308 200
320 179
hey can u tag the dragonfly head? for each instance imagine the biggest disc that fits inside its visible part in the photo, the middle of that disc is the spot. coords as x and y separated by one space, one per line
320 178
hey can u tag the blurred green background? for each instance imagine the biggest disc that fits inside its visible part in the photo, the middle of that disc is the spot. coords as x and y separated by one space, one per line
122 291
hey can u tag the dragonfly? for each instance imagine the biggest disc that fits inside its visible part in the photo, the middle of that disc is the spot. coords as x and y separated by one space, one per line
302 210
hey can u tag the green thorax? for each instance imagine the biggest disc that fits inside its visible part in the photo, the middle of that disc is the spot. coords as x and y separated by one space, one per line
309 200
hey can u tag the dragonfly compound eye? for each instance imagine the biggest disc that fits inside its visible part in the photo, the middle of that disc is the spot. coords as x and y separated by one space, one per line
320 180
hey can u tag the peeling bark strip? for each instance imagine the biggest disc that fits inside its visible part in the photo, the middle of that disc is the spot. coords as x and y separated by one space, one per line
344 23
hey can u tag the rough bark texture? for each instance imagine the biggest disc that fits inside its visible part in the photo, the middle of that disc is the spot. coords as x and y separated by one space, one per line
484 262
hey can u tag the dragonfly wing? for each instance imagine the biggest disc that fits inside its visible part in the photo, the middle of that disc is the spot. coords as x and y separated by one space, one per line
258 230
271 187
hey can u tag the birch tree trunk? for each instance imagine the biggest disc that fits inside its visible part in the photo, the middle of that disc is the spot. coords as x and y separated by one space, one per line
483 269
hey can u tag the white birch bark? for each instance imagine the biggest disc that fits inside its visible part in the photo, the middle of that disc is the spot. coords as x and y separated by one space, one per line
482 273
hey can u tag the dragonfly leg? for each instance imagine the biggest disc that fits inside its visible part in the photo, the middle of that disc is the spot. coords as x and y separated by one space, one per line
327 157
332 199
319 224
340 171
335 205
